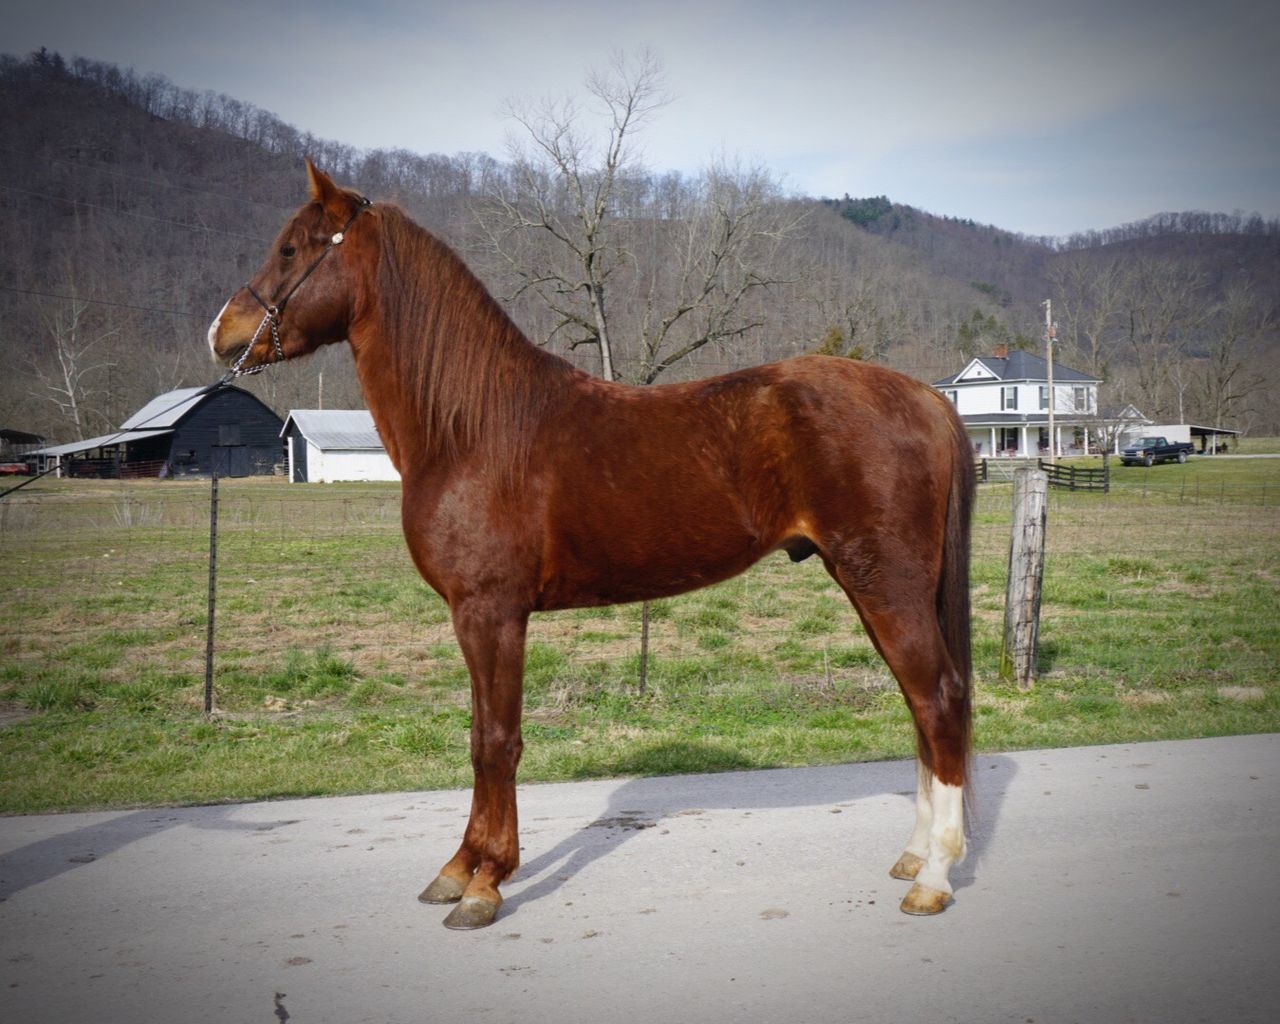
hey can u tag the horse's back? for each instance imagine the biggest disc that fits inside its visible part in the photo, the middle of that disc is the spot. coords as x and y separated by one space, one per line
662 489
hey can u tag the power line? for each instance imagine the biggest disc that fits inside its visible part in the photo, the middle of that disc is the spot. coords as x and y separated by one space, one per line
127 213
105 302
100 167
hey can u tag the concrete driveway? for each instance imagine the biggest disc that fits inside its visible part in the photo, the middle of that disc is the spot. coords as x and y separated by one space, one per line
1123 883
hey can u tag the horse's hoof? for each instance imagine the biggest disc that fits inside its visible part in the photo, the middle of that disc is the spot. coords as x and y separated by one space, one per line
442 890
907 868
472 912
923 901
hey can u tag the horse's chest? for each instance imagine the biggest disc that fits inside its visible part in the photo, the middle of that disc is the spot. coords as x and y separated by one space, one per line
462 541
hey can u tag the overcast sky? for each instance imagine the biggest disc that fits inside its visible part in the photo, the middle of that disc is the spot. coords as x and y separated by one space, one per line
1039 117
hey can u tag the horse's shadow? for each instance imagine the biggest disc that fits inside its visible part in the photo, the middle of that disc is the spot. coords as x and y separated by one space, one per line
633 806
47 858
642 803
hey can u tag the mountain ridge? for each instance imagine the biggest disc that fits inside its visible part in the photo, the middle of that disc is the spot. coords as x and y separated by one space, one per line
134 207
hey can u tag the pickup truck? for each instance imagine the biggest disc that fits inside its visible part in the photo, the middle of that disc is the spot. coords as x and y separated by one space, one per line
1150 450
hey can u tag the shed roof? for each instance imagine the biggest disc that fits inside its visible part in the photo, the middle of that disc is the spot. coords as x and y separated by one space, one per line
19 436
335 428
104 441
1128 411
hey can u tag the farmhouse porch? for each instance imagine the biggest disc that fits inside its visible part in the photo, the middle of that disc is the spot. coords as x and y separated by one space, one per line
1029 439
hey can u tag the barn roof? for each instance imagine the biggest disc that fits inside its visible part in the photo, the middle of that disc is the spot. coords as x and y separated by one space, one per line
164 410
159 416
335 428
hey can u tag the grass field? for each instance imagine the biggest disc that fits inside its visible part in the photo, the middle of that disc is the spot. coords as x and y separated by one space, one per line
336 669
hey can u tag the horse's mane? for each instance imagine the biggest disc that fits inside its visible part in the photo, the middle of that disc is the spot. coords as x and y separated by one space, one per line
474 380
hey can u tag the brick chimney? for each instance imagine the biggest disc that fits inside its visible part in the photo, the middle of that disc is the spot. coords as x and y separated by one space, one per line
1002 352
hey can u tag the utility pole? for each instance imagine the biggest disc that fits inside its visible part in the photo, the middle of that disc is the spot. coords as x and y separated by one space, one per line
1048 339
320 392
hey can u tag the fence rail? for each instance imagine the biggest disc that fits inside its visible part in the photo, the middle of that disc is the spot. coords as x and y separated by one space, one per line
1078 478
1065 478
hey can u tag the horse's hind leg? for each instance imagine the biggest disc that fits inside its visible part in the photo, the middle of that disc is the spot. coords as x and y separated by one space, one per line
905 631
917 849
939 817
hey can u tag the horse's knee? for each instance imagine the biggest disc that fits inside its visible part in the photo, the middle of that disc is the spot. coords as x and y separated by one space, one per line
495 747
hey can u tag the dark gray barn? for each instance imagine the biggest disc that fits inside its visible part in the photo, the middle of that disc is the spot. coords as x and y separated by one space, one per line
181 433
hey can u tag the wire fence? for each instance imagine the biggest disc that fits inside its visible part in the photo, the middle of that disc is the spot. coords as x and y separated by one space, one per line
1175 571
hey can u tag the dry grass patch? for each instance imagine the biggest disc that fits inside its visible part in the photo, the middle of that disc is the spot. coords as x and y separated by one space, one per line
1246 693
1146 698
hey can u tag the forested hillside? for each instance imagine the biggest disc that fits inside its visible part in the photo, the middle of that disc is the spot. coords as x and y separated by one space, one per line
132 208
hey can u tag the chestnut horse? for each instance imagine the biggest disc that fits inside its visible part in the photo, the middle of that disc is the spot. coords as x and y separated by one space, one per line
529 485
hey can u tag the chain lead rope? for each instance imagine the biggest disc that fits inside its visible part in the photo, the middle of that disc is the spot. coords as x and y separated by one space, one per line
238 369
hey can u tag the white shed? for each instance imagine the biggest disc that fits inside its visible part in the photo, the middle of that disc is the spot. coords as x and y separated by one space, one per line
327 445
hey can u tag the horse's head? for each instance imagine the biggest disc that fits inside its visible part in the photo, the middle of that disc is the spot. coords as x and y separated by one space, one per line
302 297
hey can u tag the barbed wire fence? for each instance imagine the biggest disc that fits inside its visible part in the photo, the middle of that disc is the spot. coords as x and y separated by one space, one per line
107 599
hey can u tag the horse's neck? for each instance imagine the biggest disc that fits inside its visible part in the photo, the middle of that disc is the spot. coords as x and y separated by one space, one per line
392 413
478 360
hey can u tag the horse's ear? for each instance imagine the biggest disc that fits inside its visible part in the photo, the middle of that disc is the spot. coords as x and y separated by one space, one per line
319 184
337 203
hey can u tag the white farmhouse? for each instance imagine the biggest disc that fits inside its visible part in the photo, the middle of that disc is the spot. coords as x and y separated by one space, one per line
1004 402
327 445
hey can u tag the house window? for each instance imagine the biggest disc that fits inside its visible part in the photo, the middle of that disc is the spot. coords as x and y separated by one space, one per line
1008 439
1081 397
953 397
1044 396
1008 398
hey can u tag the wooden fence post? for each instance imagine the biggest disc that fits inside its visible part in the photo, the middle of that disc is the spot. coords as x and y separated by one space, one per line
213 590
644 646
1026 576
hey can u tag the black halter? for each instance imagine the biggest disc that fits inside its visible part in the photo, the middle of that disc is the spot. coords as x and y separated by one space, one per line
272 312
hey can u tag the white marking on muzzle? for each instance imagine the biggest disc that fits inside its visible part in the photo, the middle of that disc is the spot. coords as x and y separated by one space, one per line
213 330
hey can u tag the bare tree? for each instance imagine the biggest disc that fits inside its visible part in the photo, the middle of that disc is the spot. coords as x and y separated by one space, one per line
1229 375
66 368
563 187
721 252
1164 306
647 270
861 310
1089 301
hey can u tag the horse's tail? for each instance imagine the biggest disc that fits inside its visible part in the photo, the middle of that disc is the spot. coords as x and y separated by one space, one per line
953 586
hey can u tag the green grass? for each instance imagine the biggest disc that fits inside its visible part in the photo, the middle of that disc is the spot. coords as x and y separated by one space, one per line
337 671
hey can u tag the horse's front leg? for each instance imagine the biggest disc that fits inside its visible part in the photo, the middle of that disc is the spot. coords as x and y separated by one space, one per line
493 646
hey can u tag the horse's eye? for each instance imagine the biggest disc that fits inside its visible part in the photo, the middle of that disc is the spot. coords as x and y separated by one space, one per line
288 251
